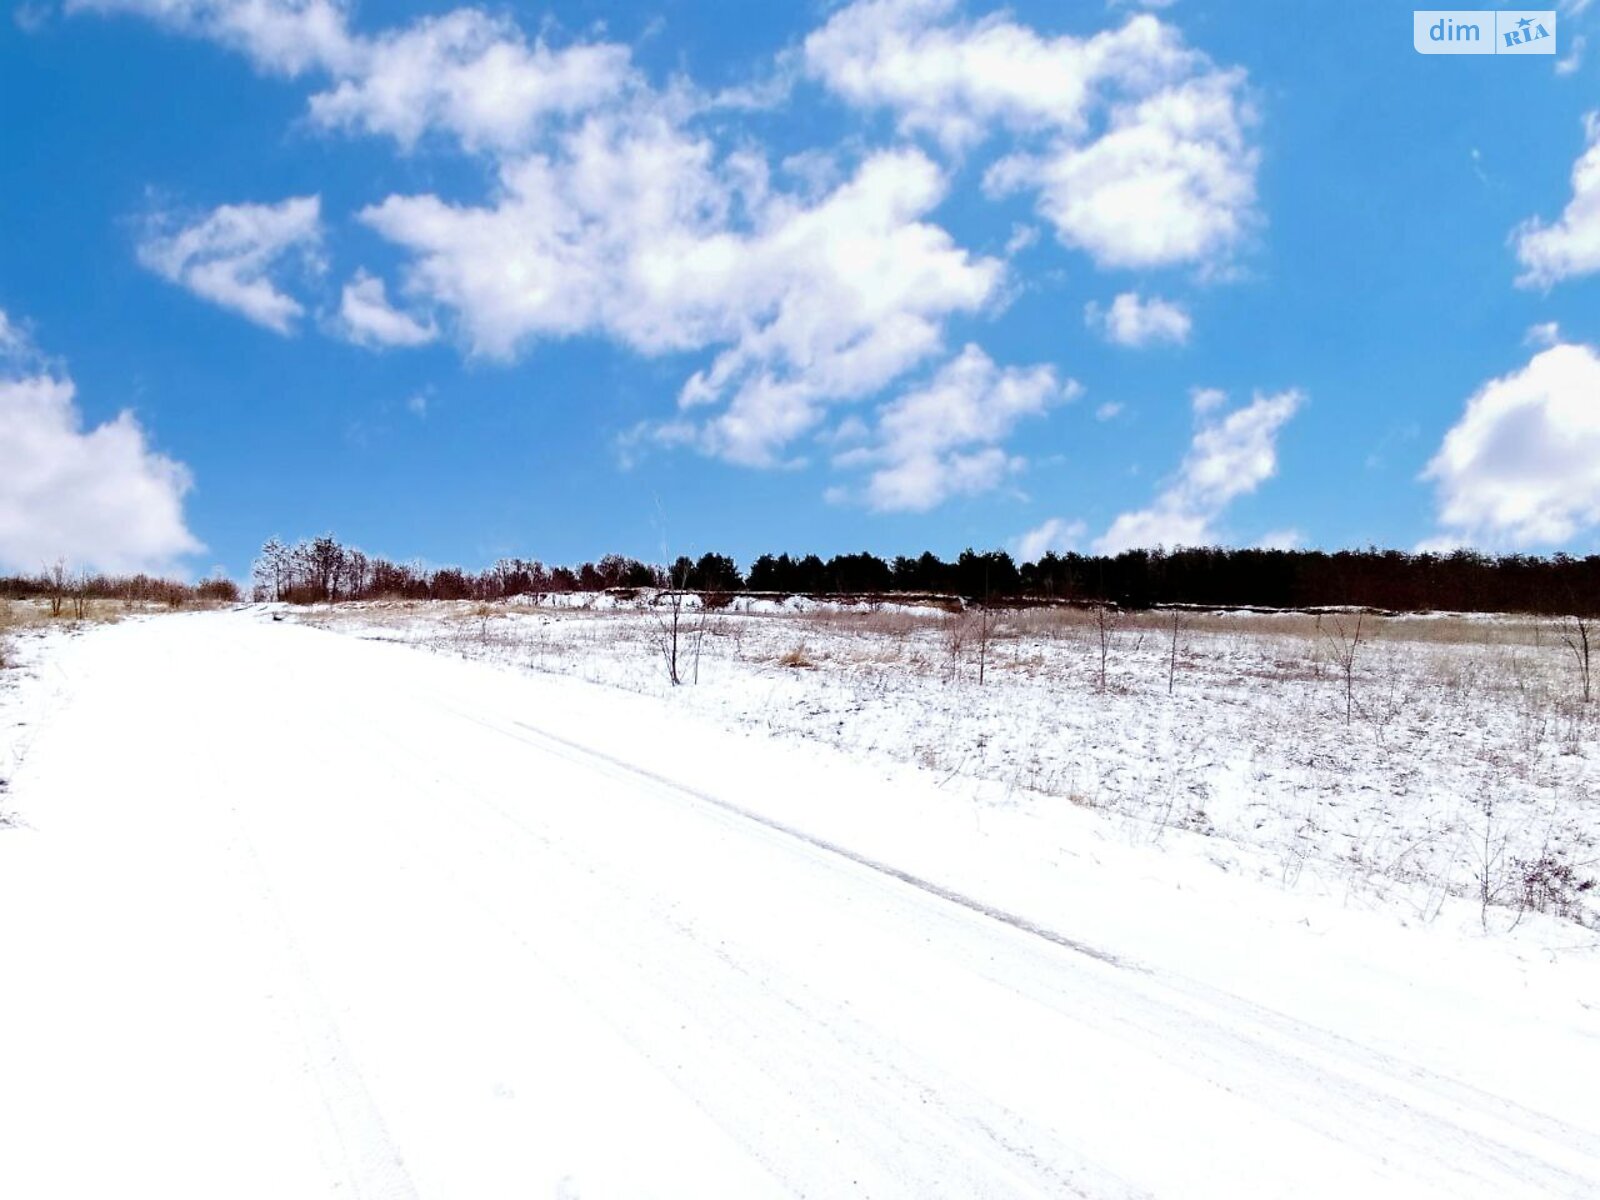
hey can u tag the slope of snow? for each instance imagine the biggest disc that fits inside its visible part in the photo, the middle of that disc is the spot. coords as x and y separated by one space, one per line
295 914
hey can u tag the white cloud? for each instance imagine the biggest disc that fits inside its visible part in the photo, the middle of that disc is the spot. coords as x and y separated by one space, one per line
1022 238
473 75
283 36
942 439
1522 465
1172 182
467 73
1546 334
835 301
1168 180
1281 539
14 341
1571 246
1108 410
1207 399
1136 322
612 217
614 212
1056 534
955 79
100 498
368 319
1229 458
630 230
229 257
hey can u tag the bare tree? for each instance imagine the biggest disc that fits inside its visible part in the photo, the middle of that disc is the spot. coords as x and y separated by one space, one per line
1576 635
355 571
324 560
1172 657
56 579
702 622
671 629
985 623
955 643
1107 620
985 626
1343 643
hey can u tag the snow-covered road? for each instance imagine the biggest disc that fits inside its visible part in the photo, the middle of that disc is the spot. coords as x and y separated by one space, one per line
298 915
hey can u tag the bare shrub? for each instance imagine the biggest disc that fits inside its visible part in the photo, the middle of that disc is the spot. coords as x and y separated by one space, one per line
955 633
1489 875
1550 884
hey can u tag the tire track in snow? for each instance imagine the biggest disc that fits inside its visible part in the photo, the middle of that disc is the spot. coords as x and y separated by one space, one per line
367 1157
1366 1081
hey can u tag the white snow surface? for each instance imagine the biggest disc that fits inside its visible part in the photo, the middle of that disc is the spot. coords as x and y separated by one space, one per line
295 914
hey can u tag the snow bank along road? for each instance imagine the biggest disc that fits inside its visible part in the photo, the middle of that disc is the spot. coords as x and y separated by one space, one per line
292 915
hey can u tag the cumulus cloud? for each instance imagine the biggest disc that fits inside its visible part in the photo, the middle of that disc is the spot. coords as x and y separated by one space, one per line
1172 181
633 229
1056 535
1143 157
1229 457
100 498
367 318
616 211
611 215
472 75
232 255
1136 322
467 73
1570 246
943 439
1522 465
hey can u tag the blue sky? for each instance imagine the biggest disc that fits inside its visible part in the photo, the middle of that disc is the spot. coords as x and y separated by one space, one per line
558 280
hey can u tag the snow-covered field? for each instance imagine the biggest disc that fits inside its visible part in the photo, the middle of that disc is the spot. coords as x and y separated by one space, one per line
294 913
1469 765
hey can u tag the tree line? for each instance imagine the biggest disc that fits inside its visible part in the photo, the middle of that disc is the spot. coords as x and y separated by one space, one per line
322 569
59 585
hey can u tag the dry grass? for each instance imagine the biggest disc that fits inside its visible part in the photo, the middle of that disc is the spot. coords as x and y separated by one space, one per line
17 616
796 658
